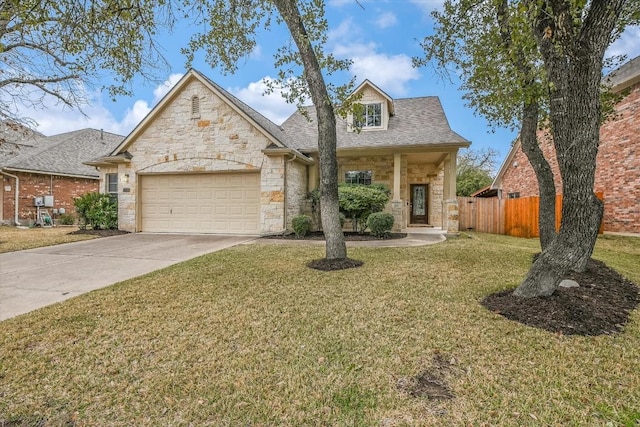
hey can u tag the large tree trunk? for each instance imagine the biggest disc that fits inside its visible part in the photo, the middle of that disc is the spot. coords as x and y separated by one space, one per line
544 174
573 60
329 207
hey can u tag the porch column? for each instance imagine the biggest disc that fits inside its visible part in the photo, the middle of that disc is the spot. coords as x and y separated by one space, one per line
396 204
450 202
396 176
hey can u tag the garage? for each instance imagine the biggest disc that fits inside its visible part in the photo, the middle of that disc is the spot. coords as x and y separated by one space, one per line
226 203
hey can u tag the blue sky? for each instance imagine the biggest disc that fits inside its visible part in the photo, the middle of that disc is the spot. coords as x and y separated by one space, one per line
380 37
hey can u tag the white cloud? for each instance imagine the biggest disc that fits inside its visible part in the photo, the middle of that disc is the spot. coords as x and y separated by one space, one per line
428 6
54 118
165 87
628 44
390 72
386 20
273 106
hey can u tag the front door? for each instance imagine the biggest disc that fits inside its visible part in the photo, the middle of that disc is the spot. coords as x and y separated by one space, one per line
419 204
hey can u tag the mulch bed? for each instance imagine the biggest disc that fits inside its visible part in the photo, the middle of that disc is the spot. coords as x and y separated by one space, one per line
324 264
348 235
600 305
101 233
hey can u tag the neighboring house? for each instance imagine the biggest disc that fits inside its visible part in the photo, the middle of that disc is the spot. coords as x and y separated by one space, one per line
203 161
617 163
50 166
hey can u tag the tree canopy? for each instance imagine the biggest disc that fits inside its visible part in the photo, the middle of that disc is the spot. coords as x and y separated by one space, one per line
59 48
475 170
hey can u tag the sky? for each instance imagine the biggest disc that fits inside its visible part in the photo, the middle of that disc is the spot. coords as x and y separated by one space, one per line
380 37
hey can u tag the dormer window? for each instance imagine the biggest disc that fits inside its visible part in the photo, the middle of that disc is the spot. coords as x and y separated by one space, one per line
371 116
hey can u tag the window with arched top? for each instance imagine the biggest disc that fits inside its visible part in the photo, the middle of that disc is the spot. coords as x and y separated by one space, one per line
195 107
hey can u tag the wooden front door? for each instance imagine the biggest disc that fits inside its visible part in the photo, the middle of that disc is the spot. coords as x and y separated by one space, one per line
419 211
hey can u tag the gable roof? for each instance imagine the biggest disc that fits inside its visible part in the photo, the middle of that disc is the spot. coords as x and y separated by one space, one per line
624 76
273 132
382 93
16 139
417 122
64 154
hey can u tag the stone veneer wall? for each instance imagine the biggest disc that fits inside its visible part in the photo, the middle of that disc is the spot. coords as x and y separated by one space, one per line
617 167
217 140
63 189
296 190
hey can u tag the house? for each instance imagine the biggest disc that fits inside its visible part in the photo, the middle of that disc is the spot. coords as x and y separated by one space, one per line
34 166
203 161
617 162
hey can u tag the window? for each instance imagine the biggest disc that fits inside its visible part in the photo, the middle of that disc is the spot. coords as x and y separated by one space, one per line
371 116
111 181
358 177
515 195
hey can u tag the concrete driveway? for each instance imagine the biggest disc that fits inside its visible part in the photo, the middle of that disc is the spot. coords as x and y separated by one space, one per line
35 278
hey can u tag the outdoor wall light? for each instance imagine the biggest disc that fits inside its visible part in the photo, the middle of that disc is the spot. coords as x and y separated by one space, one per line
125 178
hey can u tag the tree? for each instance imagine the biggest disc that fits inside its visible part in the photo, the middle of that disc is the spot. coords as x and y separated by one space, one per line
543 56
475 170
232 29
59 47
502 77
358 201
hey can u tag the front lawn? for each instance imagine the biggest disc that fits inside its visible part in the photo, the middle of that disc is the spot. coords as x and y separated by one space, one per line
251 337
17 239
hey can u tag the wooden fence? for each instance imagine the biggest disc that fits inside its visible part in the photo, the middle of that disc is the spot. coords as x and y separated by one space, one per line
513 217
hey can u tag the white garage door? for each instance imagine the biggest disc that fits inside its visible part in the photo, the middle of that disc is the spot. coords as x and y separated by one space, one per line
201 203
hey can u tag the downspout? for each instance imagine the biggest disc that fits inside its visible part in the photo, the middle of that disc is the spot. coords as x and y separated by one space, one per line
17 195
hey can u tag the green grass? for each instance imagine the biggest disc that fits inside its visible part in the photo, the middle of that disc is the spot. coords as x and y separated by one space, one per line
18 239
250 336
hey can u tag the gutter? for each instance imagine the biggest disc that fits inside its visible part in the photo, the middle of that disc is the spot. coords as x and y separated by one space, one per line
17 195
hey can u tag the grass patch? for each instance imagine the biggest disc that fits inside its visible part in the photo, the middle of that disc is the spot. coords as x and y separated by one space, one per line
18 239
251 336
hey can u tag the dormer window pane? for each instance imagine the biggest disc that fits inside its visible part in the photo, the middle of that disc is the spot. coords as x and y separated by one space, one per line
371 116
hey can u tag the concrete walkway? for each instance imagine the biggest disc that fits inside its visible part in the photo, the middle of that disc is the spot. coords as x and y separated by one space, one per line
35 278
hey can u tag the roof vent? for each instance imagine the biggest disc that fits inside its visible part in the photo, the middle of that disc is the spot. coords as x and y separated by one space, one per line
195 107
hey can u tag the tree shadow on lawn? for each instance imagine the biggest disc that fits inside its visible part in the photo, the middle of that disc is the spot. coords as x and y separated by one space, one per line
600 305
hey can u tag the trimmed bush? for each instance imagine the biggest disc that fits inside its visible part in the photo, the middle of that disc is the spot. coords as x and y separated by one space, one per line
301 225
100 211
66 219
380 224
359 201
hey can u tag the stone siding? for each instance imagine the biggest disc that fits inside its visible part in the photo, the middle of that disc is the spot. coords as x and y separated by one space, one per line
296 190
63 189
218 139
617 167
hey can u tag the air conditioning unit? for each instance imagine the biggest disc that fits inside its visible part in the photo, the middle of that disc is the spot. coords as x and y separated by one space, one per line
38 201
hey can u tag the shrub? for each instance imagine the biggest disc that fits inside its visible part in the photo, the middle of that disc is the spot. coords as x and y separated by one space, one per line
66 219
360 201
98 210
301 225
380 223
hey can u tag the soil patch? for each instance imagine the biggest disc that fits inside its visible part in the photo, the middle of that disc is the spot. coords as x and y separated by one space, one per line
100 233
348 235
334 264
430 383
600 305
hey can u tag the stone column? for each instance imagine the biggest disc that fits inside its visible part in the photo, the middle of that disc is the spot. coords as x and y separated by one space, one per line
450 203
397 204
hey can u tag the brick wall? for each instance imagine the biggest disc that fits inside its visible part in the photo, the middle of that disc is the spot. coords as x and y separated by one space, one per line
62 188
617 167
